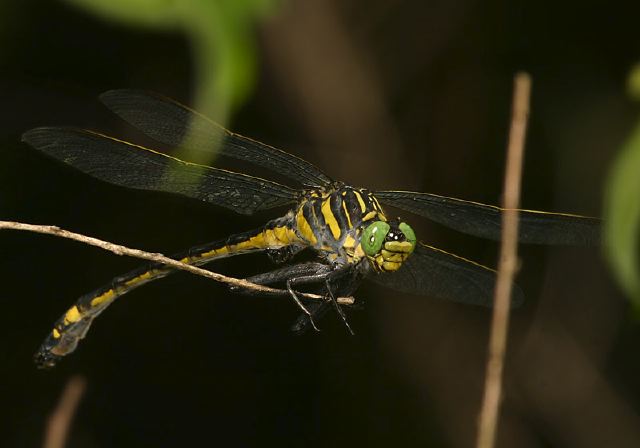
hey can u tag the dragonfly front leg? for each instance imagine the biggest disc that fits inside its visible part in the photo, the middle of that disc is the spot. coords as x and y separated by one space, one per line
327 277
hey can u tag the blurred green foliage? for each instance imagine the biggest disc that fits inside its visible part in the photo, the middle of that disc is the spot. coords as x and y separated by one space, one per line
633 83
622 208
221 35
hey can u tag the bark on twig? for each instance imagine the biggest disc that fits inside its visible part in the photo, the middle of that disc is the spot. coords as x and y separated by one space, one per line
507 264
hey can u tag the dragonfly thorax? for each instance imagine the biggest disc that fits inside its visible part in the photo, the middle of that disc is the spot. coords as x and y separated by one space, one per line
340 222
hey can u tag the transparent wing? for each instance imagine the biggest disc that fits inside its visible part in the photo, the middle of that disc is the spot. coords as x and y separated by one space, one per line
474 218
133 166
433 272
168 121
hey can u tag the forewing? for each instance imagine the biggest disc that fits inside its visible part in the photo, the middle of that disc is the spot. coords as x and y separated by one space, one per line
169 122
128 165
485 221
432 272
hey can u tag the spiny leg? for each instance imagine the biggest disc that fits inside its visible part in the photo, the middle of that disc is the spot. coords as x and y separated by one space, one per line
299 274
344 282
311 272
302 323
338 308
326 276
296 299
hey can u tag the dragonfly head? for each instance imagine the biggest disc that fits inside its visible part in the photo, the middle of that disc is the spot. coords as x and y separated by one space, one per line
388 244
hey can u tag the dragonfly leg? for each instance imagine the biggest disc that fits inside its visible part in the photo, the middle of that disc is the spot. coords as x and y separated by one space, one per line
302 323
338 282
300 304
338 308
299 274
327 276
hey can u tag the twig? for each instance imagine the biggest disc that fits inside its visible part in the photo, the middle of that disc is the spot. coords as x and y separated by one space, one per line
122 250
507 264
60 419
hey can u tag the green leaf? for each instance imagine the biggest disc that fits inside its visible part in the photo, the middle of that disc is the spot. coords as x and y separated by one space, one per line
633 83
622 217
222 38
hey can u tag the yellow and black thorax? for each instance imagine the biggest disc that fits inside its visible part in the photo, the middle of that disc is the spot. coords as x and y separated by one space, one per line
332 221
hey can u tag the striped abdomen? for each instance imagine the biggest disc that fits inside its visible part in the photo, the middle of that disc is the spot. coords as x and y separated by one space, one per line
75 323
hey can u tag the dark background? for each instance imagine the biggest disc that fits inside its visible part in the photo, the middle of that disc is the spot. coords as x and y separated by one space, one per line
384 94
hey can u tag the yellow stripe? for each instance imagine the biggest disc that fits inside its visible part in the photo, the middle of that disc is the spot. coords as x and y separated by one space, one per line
212 253
330 219
346 212
252 243
73 315
349 242
269 238
281 236
372 214
375 202
358 253
55 333
304 228
276 237
103 298
145 276
363 207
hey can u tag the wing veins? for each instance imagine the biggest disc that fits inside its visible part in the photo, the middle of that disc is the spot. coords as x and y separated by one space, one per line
169 122
485 221
135 166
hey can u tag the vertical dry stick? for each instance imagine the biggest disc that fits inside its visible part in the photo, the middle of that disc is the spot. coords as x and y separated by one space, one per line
507 264
60 420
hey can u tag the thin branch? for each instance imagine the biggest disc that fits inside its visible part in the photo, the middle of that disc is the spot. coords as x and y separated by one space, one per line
60 419
122 250
507 264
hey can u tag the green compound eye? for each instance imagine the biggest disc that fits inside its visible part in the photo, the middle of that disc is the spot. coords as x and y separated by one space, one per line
373 237
409 234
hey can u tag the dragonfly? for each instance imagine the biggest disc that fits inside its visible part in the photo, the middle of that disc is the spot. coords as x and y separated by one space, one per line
347 227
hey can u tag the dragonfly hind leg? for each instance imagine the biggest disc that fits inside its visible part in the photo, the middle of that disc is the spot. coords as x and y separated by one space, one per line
308 317
300 274
338 308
